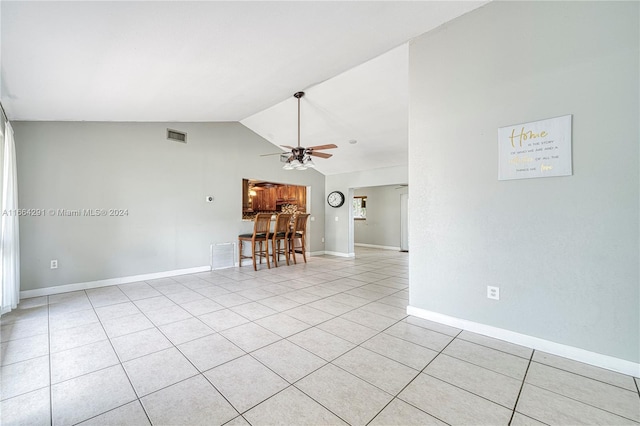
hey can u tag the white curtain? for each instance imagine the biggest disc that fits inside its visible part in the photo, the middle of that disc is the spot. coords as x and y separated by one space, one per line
9 233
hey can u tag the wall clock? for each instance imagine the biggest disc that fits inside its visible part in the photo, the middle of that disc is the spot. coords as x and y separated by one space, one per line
335 199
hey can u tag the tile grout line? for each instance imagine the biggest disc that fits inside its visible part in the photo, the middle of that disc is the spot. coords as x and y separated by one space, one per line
139 398
589 377
289 384
412 380
479 366
157 327
120 364
50 374
489 347
533 361
366 340
223 308
326 362
584 403
319 403
282 338
199 373
524 378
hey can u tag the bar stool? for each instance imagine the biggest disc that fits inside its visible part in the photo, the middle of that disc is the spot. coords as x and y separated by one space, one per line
299 231
281 233
261 225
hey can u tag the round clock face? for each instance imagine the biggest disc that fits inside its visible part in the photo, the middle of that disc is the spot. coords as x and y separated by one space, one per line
335 199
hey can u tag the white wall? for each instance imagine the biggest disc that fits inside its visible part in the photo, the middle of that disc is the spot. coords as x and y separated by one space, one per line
564 251
163 185
339 233
382 226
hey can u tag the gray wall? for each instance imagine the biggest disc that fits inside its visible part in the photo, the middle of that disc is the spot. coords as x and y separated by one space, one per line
563 250
339 233
163 184
382 226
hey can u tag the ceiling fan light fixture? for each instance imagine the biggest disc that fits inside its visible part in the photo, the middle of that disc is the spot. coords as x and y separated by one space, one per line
288 166
308 162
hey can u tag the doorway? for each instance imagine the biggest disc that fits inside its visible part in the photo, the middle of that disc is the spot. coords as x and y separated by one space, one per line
383 221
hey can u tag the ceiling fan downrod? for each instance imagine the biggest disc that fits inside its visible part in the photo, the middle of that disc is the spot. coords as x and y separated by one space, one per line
298 95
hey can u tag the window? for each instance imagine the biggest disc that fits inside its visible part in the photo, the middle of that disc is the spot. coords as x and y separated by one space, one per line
360 207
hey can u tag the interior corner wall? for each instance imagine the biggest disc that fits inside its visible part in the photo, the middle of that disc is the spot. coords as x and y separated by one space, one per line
382 225
563 250
339 221
162 185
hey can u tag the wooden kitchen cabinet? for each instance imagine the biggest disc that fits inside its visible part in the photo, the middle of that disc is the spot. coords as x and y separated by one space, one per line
270 199
292 193
255 203
301 198
265 200
246 205
286 194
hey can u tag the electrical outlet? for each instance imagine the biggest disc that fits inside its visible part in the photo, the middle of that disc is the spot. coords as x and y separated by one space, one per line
323 239
493 292
336 218
54 264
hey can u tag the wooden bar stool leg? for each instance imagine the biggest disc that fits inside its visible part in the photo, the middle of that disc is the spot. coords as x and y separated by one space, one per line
291 249
286 250
304 255
253 255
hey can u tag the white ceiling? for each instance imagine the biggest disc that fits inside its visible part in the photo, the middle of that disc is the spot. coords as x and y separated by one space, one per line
368 104
223 61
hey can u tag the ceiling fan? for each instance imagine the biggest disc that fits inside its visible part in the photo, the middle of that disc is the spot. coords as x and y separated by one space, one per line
300 157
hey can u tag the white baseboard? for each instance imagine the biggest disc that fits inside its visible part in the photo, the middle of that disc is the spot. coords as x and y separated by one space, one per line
46 291
377 246
339 254
577 354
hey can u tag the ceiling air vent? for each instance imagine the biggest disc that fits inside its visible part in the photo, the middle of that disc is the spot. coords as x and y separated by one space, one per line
174 135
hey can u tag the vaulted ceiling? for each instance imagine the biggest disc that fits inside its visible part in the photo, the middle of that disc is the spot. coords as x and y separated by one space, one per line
224 61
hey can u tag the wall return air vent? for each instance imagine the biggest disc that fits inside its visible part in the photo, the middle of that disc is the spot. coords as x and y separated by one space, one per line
174 135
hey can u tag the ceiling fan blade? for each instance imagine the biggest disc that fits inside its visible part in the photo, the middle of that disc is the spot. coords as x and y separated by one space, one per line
320 154
273 153
287 146
327 146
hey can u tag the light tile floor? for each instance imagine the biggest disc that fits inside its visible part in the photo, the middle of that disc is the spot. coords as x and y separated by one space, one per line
327 342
